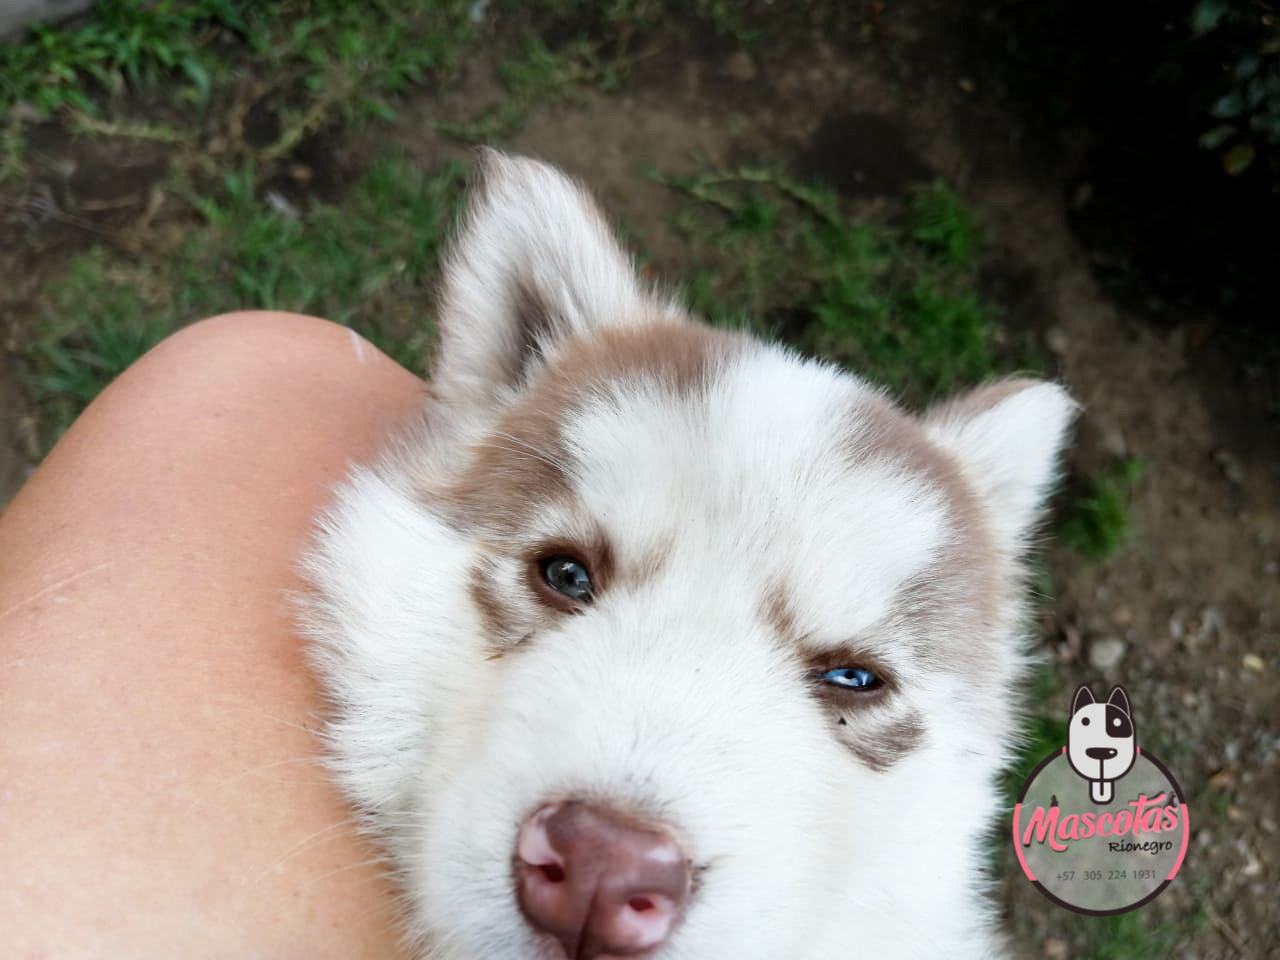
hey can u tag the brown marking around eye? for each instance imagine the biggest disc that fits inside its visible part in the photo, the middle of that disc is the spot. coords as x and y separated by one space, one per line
499 622
882 747
596 557
844 658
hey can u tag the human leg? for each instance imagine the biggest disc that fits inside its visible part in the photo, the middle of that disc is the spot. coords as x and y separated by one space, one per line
159 788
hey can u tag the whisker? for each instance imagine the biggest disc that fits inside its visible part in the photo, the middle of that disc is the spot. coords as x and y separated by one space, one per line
300 847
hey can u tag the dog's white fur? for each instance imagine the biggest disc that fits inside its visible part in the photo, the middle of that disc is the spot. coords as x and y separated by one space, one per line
765 516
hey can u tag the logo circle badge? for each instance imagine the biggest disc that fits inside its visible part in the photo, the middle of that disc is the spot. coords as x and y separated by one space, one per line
1101 827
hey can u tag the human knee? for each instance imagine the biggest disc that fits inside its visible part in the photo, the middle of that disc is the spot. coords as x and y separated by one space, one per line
259 352
263 338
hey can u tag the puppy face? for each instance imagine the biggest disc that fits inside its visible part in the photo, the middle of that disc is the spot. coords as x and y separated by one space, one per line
685 577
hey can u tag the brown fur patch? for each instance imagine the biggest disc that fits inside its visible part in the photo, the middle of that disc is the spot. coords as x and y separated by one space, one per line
483 590
534 323
954 605
645 567
523 463
979 400
884 747
776 612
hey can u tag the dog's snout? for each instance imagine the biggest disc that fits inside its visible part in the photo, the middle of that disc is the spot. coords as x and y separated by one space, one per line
1100 753
602 884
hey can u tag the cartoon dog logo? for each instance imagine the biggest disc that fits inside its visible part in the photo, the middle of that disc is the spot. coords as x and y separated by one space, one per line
1100 740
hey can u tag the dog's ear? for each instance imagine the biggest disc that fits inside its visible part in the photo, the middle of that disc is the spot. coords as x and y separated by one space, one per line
1007 437
1082 698
1120 699
533 263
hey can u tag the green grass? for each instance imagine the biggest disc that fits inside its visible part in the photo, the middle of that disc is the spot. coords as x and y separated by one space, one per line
536 78
604 41
1127 936
314 62
81 351
370 262
897 302
944 225
126 44
1096 523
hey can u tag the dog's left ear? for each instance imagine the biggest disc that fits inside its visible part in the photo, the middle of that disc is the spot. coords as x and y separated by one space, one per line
1083 697
534 263
1007 437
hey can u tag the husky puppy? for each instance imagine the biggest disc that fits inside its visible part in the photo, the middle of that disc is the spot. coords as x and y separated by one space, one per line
655 640
1101 740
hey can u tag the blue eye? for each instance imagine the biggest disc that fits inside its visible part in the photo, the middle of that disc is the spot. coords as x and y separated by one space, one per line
567 576
851 678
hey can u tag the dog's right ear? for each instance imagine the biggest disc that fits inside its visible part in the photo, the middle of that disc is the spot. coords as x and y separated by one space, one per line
533 264
1120 699
1083 697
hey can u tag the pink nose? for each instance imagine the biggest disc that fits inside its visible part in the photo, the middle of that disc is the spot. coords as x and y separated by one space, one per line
600 883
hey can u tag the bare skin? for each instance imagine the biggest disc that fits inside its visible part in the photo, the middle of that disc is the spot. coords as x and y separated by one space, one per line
160 794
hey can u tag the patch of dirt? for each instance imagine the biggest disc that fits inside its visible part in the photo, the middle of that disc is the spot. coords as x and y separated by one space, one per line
17 425
871 99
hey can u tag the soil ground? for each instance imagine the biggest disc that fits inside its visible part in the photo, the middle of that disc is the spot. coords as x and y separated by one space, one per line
1186 616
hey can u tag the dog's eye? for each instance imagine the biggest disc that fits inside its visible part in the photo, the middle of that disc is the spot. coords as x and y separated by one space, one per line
852 678
569 577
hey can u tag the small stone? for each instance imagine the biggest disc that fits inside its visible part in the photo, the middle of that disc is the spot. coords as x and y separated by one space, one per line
1056 949
1204 838
1111 440
1072 643
1252 867
966 84
1212 625
1055 338
1230 466
1189 699
1106 652
1254 663
739 67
